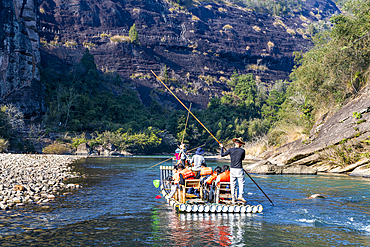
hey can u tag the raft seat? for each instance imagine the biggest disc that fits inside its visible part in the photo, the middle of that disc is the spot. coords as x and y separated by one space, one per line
195 183
223 192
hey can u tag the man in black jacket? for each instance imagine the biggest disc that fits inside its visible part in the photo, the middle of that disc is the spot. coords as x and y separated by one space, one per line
237 154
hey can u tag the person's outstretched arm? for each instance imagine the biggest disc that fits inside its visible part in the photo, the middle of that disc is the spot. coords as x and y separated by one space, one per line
222 151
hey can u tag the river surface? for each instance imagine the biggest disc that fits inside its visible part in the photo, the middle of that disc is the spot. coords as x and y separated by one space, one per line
117 207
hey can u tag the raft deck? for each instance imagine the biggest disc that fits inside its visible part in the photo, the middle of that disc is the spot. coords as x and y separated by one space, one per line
197 205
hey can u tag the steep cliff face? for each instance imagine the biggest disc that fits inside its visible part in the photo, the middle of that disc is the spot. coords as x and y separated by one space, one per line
334 142
20 56
201 46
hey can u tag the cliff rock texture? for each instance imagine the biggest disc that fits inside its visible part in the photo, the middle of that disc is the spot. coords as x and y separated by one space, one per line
20 56
201 46
340 134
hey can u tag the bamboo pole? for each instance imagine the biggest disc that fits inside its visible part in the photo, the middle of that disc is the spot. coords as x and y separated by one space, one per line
172 157
186 123
208 132
186 108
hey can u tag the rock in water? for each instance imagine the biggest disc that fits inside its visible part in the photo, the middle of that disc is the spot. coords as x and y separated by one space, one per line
316 196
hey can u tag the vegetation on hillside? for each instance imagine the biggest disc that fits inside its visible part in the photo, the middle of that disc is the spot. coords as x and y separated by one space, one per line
336 68
276 7
81 98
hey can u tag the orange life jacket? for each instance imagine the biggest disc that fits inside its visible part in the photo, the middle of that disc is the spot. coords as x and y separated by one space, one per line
187 173
211 178
206 171
225 176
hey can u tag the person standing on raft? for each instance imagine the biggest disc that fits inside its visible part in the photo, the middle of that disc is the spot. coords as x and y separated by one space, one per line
198 159
183 155
237 154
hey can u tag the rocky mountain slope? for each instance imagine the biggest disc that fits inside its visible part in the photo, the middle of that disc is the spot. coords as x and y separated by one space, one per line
339 137
200 46
20 56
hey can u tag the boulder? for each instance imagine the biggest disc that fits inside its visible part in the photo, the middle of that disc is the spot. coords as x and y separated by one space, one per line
115 153
125 153
100 149
342 169
298 170
265 167
111 147
83 149
361 171
322 167
309 160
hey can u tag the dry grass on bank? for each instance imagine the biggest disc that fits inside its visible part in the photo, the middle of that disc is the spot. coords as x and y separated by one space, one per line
56 148
257 146
283 134
276 138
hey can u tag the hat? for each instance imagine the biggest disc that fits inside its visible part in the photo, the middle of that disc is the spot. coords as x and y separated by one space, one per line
177 150
199 151
238 140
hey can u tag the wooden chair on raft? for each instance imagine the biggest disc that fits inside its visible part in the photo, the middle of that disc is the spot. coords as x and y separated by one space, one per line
223 192
189 183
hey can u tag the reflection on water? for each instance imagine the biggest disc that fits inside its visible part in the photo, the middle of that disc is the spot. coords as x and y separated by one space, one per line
117 207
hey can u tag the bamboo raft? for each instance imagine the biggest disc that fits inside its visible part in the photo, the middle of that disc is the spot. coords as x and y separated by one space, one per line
183 202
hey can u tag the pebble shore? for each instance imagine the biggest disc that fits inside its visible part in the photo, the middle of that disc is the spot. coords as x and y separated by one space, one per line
34 178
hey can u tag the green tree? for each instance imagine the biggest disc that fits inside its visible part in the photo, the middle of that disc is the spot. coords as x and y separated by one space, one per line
165 74
5 126
337 66
133 34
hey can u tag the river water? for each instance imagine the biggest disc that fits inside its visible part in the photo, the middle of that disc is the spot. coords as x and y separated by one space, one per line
117 207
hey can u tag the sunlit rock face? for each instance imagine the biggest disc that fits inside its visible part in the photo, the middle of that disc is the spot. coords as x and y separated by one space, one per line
20 56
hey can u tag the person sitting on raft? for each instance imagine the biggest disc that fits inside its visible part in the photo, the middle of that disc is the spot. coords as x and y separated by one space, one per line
179 177
208 185
224 176
185 173
175 181
204 171
197 160
213 177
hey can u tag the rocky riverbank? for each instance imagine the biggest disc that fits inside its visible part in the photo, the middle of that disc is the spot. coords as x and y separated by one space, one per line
34 179
339 142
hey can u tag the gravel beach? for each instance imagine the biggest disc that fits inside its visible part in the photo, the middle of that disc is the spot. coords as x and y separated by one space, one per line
34 178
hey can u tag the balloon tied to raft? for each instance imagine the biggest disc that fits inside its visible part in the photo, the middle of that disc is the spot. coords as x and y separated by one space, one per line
206 130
